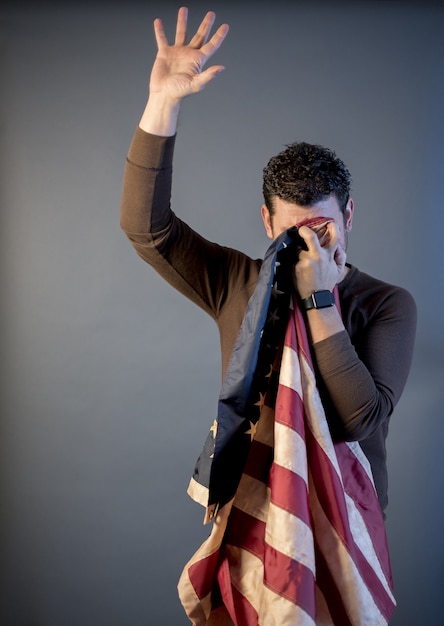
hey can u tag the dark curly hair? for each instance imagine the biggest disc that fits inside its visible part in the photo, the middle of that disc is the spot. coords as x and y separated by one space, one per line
304 174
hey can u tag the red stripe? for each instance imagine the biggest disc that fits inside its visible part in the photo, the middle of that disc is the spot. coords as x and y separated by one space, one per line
289 492
290 410
259 461
290 579
328 488
286 577
225 587
246 531
202 574
331 497
239 608
245 614
299 336
360 488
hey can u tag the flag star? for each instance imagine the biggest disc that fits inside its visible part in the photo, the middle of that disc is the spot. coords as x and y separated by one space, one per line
252 430
273 316
213 429
260 403
275 291
270 372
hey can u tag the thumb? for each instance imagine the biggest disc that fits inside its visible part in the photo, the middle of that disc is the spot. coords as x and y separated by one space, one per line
202 79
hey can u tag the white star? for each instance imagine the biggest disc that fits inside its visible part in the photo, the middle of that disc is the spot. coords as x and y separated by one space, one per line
260 403
252 430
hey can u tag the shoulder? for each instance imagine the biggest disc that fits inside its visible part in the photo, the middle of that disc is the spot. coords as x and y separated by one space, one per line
368 297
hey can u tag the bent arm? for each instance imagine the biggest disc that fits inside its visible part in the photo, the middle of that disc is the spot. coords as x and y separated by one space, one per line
364 380
159 237
191 264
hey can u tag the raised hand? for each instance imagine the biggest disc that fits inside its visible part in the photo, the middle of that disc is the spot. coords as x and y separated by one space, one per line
178 68
178 71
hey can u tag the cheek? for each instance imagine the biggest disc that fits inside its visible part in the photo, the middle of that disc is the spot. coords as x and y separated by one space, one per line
344 241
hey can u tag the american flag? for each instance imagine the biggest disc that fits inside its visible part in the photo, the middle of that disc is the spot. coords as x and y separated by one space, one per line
298 539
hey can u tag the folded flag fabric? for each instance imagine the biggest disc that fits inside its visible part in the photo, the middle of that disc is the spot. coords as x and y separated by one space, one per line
298 537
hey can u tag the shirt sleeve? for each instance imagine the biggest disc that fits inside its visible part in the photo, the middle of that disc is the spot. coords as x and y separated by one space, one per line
196 267
363 377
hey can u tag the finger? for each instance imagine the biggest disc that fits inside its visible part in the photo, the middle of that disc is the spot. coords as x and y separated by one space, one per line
159 32
206 76
321 233
181 26
203 31
333 235
310 238
216 41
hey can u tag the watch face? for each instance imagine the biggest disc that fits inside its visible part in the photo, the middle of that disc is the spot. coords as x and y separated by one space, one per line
323 299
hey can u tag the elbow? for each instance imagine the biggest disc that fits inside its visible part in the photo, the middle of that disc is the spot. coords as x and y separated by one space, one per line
368 419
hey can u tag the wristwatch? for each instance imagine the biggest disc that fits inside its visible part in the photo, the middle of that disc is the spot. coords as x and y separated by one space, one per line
318 300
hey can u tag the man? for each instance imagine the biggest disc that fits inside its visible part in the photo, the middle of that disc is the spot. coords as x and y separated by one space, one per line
361 350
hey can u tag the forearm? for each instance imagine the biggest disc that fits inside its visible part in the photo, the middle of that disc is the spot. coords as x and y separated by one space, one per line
364 368
324 323
145 205
359 404
160 116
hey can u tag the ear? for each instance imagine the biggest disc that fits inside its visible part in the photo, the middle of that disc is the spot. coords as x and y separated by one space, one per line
348 215
266 218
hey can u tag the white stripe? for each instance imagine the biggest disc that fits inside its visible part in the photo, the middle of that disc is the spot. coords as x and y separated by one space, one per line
290 451
198 492
315 414
253 497
247 576
291 536
297 374
290 373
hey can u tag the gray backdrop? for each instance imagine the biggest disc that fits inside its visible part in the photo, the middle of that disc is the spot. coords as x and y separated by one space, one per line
109 378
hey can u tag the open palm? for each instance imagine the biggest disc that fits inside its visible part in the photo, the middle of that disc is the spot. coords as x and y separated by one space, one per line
178 69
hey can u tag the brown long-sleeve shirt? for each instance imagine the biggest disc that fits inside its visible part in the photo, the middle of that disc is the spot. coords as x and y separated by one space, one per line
361 371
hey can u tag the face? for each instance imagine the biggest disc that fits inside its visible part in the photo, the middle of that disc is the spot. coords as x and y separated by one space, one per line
288 214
